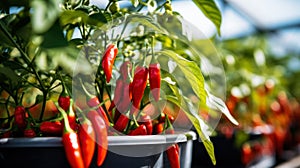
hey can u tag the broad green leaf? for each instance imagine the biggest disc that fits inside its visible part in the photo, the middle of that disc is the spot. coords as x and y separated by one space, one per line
99 18
215 102
45 13
146 21
73 17
195 119
54 37
211 11
191 71
197 122
79 17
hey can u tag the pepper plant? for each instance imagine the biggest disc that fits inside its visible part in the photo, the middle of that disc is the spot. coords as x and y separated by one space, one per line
42 42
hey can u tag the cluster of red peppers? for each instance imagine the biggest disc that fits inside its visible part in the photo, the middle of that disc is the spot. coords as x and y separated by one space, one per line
128 95
86 132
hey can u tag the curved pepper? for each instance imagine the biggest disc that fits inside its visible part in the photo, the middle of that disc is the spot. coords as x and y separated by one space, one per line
121 123
138 87
20 117
123 105
158 128
70 141
30 133
140 130
87 136
125 70
173 156
101 135
146 120
94 102
154 80
108 60
64 100
51 128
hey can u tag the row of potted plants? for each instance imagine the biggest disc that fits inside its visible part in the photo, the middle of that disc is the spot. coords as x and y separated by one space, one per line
126 74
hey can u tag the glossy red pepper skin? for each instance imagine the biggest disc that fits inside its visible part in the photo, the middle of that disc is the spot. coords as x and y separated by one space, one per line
140 130
64 102
146 120
93 102
154 80
125 70
123 94
20 117
138 87
71 143
30 133
121 123
125 102
108 60
173 156
99 126
158 128
51 128
118 91
72 149
162 118
87 137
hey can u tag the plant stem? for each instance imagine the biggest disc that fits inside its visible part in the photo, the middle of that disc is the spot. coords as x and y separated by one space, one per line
43 105
109 3
23 54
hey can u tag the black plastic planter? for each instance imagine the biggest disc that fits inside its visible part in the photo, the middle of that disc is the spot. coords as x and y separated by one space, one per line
123 151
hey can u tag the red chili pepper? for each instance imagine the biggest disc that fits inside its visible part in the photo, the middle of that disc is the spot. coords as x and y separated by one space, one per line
158 128
125 70
146 120
72 117
121 123
154 80
20 117
93 102
71 145
138 87
162 118
108 60
64 100
87 137
173 156
30 133
118 91
6 134
101 135
124 104
140 130
51 128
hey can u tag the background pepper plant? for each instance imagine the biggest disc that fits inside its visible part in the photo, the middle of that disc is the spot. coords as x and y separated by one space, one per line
39 49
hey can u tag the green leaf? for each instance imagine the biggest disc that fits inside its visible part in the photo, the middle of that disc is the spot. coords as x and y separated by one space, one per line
44 15
78 17
197 122
146 21
99 18
54 38
73 17
191 71
195 119
211 11
215 102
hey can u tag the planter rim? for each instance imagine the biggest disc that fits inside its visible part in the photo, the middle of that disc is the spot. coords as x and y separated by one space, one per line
112 140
